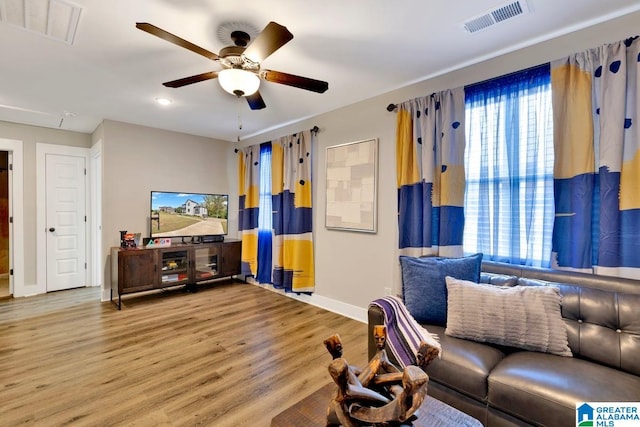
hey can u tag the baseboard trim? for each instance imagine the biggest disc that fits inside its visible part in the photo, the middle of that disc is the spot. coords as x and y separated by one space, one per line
335 306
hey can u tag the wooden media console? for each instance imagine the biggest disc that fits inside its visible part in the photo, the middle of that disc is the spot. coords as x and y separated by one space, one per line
145 269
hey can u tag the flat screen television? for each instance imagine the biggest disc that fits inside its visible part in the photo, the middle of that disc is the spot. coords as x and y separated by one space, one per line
188 214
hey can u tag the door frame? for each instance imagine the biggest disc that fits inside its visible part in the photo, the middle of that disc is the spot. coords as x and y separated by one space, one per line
16 196
95 219
42 149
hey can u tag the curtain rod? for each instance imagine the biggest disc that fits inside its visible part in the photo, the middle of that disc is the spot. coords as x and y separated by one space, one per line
315 129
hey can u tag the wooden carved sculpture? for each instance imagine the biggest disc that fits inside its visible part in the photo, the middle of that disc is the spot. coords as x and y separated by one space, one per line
348 393
380 370
334 346
426 353
381 394
400 409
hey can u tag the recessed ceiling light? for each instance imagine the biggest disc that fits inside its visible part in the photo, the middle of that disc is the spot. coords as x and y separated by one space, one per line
163 101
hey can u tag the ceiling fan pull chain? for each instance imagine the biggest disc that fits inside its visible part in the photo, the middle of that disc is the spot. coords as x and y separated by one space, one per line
238 107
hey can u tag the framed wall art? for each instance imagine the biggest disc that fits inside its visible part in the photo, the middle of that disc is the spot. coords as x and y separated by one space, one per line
352 175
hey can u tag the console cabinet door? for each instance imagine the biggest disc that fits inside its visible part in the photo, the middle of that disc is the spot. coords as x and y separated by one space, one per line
206 262
136 270
175 266
231 256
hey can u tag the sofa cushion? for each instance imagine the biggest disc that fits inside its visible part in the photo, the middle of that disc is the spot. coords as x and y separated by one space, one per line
526 317
424 289
464 365
543 388
498 279
602 326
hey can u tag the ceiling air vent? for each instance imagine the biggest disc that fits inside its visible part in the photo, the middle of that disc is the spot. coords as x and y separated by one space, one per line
55 19
495 15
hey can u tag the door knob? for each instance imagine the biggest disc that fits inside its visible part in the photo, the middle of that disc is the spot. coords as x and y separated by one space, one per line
52 229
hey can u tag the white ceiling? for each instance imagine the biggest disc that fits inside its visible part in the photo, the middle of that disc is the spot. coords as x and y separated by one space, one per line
363 48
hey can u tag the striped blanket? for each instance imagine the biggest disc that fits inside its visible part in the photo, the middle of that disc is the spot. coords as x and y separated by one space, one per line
404 334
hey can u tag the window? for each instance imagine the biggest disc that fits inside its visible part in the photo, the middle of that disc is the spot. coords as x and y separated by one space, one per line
509 206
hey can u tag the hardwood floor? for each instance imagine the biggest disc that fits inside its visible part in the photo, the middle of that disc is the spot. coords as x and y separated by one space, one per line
232 354
4 287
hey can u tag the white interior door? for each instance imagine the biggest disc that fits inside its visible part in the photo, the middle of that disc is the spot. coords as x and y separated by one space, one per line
65 221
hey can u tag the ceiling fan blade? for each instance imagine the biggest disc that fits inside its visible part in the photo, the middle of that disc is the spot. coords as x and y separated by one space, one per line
191 79
255 101
272 38
295 81
165 35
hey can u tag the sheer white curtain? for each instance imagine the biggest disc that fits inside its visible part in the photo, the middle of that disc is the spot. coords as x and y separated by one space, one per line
509 206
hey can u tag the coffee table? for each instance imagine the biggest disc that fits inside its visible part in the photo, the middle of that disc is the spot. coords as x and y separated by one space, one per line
312 411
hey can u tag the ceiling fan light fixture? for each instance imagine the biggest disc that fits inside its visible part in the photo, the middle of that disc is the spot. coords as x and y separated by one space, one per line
239 82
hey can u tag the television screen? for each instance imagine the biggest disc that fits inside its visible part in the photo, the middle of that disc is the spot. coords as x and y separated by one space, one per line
188 214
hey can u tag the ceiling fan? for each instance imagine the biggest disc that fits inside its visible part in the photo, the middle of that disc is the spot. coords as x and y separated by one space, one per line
241 73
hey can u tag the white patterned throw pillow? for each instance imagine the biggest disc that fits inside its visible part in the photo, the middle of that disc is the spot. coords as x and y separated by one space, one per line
527 317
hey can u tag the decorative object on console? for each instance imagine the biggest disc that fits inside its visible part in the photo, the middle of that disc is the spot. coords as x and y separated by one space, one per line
424 290
163 242
129 240
527 317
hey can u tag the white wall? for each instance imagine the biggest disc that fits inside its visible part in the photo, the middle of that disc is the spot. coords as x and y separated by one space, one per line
353 268
30 135
138 159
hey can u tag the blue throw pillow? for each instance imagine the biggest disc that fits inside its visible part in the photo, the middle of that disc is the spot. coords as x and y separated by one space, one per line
424 289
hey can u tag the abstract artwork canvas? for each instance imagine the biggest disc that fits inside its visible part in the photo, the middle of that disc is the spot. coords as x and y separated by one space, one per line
352 171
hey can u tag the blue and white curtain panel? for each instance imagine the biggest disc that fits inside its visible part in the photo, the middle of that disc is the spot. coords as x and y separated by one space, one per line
597 160
430 144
